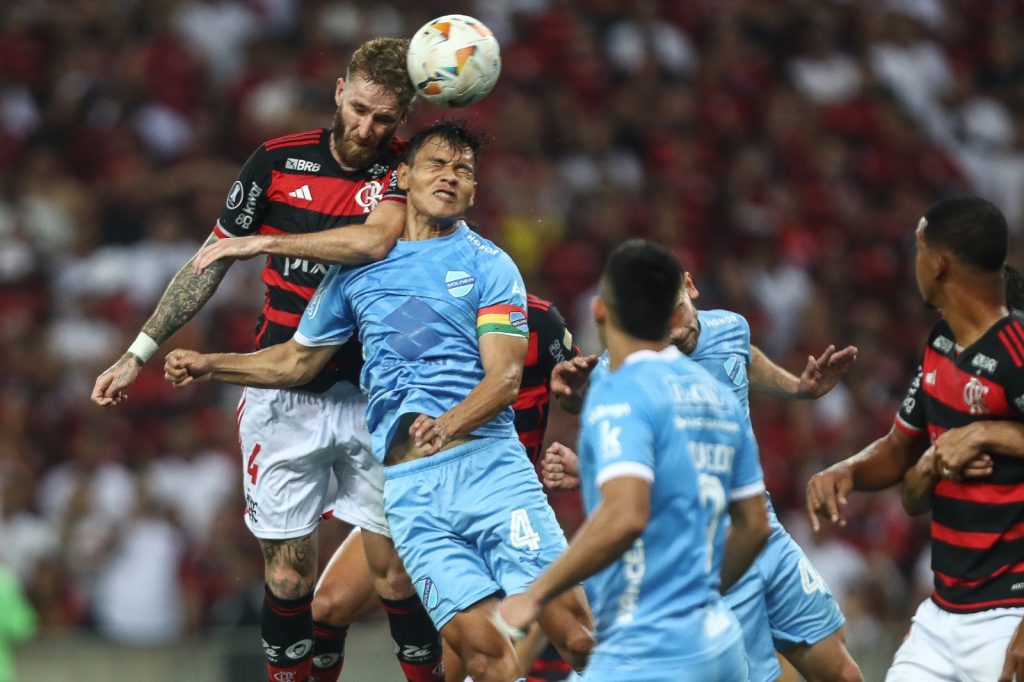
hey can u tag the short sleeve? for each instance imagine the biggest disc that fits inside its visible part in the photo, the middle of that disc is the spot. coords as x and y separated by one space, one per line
911 418
554 340
247 202
747 476
621 437
328 320
502 307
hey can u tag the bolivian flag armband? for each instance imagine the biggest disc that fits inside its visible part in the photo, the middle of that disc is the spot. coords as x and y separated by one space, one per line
502 319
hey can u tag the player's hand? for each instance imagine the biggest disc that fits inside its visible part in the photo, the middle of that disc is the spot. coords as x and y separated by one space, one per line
238 248
826 493
822 374
107 391
183 367
1013 664
429 434
516 613
560 468
955 448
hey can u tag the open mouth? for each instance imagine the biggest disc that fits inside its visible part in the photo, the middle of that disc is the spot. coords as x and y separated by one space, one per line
444 195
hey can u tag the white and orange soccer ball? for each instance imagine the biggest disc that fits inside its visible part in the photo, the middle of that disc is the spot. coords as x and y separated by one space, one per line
454 60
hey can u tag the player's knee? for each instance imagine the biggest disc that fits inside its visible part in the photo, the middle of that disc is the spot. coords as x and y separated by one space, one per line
331 608
287 583
393 582
575 647
847 671
490 665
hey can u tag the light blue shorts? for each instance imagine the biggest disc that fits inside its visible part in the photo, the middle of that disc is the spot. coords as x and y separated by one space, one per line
784 587
469 523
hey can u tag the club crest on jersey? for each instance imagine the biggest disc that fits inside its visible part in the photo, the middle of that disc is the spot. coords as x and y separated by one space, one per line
734 367
427 590
974 396
235 195
369 195
459 282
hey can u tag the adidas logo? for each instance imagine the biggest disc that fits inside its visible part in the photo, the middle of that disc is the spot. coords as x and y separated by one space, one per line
302 193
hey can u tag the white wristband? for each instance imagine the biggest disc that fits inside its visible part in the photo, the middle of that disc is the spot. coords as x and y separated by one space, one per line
143 347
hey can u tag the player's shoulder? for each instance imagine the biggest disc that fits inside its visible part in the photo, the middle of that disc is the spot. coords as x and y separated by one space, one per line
723 321
293 145
483 250
941 338
536 303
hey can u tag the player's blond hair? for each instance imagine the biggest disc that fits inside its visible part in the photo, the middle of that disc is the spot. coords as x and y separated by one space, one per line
383 61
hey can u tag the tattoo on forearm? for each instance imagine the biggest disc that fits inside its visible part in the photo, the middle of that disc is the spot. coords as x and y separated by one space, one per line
184 297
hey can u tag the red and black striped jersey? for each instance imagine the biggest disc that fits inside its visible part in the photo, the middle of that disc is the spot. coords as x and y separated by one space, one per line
977 525
550 343
294 185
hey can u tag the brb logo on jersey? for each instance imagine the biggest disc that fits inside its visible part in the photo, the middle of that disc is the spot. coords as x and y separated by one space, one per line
369 195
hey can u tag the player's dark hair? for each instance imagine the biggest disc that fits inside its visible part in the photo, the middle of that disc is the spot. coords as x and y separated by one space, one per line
1014 287
640 286
455 134
970 228
382 61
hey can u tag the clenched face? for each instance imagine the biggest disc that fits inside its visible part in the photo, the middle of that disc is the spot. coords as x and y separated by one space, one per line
440 181
684 337
365 121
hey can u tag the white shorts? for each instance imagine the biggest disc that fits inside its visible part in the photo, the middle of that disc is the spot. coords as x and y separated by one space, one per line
955 647
295 445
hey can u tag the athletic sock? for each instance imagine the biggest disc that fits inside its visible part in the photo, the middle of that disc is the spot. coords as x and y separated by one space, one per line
549 666
328 651
417 643
287 637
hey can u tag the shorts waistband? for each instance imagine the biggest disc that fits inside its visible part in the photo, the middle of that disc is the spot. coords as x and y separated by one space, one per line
440 459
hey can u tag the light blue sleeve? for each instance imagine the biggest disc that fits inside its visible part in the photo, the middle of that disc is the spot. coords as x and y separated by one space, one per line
747 477
328 320
502 285
621 433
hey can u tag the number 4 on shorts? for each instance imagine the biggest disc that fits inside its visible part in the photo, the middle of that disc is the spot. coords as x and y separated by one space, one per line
523 536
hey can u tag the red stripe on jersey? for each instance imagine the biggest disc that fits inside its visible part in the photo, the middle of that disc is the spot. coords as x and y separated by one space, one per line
950 581
530 396
536 302
273 278
981 493
951 382
221 232
531 351
973 540
324 194
976 606
281 317
906 428
531 439
1012 344
267 229
296 139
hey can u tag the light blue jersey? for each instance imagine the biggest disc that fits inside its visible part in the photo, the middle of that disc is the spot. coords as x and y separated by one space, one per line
418 313
471 521
662 418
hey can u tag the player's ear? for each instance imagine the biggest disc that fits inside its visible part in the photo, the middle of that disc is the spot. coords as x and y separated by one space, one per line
472 194
600 311
339 90
403 176
691 288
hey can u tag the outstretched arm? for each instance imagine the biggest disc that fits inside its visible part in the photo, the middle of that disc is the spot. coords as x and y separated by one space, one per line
349 245
880 465
187 293
280 366
502 357
818 378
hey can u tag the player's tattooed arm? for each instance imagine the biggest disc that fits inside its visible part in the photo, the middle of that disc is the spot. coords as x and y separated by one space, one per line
187 293
820 375
182 299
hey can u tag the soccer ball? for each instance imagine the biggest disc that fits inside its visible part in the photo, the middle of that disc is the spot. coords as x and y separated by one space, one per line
454 60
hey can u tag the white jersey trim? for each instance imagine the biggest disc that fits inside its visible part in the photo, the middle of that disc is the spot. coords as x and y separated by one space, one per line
743 492
304 340
625 469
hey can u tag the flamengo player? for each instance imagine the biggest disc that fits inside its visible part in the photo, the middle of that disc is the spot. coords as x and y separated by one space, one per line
295 185
972 370
443 324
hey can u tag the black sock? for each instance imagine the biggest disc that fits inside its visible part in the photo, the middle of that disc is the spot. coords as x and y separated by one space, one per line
288 636
328 651
417 642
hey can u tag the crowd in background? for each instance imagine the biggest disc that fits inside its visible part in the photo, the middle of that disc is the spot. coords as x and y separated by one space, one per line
784 150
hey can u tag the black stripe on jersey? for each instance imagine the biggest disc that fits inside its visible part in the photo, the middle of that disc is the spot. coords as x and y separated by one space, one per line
294 220
973 564
1003 591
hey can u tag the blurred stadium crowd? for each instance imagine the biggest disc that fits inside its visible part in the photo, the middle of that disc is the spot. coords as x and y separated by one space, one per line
784 149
